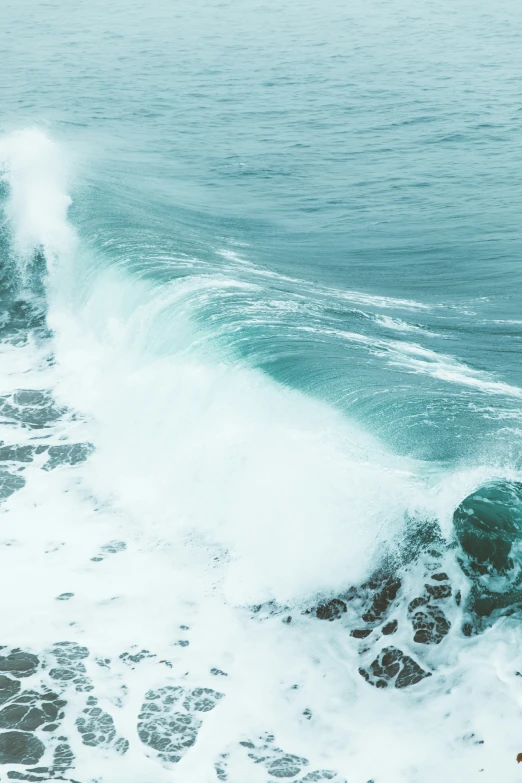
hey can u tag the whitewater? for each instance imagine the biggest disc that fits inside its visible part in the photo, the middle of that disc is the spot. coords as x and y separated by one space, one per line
253 396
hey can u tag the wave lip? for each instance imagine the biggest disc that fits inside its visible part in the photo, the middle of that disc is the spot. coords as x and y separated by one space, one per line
34 169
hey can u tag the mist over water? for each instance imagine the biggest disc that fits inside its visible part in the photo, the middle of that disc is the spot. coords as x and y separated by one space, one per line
260 468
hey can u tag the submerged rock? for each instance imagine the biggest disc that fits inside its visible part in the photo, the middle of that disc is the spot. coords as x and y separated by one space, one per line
487 524
70 454
31 408
10 483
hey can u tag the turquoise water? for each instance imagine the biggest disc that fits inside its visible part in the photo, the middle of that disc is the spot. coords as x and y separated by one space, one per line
368 148
265 261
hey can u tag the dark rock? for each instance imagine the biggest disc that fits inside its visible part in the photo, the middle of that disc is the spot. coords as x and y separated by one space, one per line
10 483
31 397
70 454
421 536
286 766
19 747
121 746
97 727
8 688
30 408
277 763
22 717
65 652
430 625
130 658
390 664
440 577
488 522
488 526
16 453
467 629
438 591
30 710
19 663
69 657
411 673
384 592
62 675
361 633
331 610
167 720
422 601
390 628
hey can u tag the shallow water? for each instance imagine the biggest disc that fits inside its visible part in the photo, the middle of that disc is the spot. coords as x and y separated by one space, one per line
259 334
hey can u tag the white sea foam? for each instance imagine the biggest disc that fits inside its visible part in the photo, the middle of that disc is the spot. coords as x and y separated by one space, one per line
447 368
398 325
35 171
228 490
415 358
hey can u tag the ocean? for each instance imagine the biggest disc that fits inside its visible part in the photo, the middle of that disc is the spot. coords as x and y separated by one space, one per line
260 391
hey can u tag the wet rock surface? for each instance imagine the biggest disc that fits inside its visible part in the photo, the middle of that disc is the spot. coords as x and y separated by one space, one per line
277 763
19 663
31 719
95 726
170 719
430 625
31 710
9 687
20 747
69 666
393 667
10 483
388 604
70 454
25 712
30 408
34 413
384 590
331 609
429 621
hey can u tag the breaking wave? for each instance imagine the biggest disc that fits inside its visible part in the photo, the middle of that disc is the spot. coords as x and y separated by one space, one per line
219 576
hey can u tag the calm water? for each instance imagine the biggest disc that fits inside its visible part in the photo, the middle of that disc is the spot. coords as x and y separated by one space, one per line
262 261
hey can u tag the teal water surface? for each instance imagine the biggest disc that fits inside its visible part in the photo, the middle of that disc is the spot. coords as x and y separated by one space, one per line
357 147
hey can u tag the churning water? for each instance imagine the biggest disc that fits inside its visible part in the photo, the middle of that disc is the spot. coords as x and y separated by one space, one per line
260 335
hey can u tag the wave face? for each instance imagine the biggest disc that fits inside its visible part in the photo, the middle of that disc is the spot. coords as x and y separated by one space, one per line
260 472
